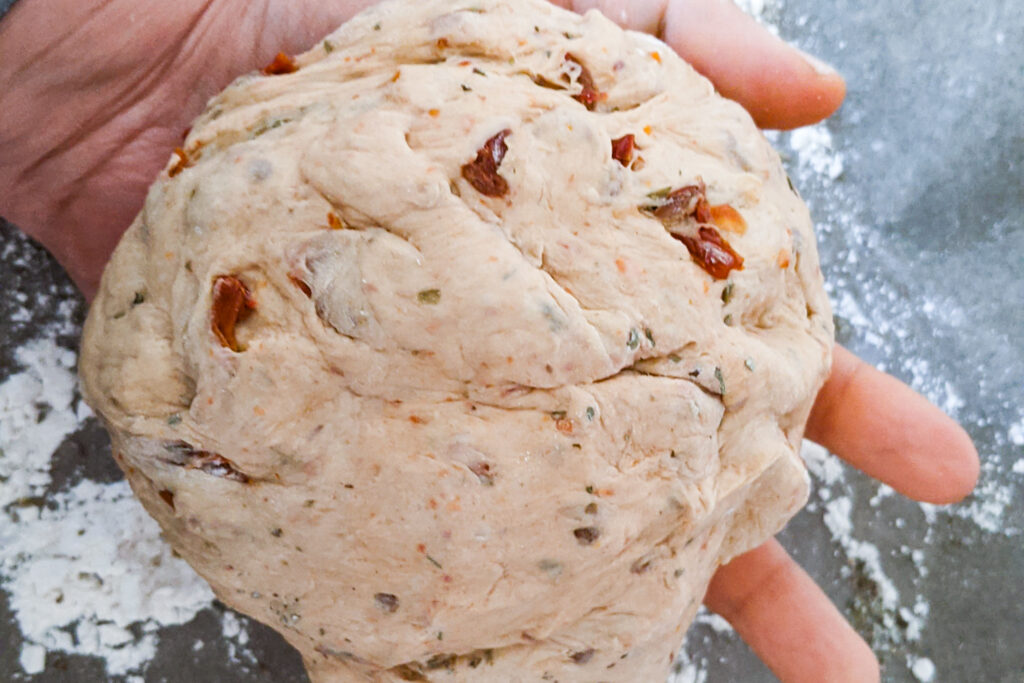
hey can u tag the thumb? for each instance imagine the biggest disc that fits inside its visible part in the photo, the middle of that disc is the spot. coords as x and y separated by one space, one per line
778 84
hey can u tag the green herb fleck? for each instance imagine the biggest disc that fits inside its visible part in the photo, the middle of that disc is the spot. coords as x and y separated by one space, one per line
558 414
174 420
440 635
139 298
590 489
276 533
479 72
649 335
466 88
728 319
577 446
749 363
310 502
429 296
590 412
633 340
679 572
727 293
674 358
376 27
118 316
660 193
434 562
328 47
721 380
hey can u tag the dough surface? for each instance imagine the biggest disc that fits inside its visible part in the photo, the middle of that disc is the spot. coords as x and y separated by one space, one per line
418 358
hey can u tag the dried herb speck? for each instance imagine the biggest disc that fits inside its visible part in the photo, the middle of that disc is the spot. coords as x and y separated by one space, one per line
721 380
583 656
429 296
586 535
386 602
727 293
633 340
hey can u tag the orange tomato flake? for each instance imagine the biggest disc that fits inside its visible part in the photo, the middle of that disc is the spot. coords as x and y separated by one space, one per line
728 219
564 425
181 164
647 130
333 222
620 263
783 258
282 64
656 57
434 112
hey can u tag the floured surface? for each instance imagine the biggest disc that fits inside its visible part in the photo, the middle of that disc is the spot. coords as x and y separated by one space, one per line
506 418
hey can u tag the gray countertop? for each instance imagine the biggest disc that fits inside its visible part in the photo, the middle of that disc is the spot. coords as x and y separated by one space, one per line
917 189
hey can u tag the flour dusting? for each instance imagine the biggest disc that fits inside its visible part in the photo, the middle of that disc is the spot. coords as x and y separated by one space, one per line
85 569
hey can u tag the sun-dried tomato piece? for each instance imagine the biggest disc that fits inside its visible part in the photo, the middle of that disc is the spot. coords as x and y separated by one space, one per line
167 496
232 302
333 222
728 219
622 149
181 164
680 204
589 96
482 172
711 252
282 64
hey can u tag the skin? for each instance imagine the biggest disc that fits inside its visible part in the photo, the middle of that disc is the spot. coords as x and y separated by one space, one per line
98 92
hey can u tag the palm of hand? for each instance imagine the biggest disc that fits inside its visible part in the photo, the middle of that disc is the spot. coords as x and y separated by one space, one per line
80 173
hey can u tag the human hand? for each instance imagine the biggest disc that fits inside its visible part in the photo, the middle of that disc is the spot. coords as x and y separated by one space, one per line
92 116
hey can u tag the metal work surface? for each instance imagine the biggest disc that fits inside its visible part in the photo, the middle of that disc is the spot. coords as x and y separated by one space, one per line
917 189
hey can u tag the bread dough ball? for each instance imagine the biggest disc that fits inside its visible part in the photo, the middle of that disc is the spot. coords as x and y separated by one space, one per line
466 346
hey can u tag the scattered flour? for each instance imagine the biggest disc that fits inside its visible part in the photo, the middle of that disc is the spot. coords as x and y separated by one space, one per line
85 569
37 412
922 668
236 634
1016 433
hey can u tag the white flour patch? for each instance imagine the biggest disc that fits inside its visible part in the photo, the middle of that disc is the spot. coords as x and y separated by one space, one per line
36 414
93 577
85 570
922 668
815 153
1016 433
236 634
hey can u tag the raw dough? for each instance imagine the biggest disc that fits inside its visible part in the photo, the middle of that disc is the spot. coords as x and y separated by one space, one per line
434 424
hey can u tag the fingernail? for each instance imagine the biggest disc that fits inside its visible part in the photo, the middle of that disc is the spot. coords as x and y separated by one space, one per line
819 66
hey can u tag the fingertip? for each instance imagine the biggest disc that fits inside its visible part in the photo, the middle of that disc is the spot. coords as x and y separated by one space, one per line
957 470
778 84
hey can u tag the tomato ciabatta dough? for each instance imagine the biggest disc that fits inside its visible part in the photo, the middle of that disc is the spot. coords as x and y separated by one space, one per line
466 346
